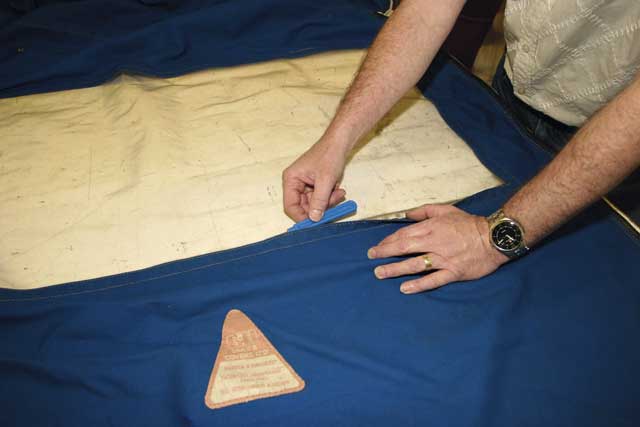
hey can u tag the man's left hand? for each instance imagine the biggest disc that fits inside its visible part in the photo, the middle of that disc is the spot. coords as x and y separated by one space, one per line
455 242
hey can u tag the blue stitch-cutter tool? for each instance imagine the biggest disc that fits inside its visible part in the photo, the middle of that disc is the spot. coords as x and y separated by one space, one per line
347 208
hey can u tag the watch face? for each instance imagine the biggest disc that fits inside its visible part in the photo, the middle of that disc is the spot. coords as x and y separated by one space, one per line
506 236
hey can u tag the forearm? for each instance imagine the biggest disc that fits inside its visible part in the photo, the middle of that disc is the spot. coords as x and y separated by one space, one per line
396 60
603 152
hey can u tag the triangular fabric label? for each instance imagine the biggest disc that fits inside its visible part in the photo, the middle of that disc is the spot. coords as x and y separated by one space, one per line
247 366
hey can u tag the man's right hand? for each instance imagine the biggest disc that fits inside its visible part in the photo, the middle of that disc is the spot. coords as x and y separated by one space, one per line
311 184
395 61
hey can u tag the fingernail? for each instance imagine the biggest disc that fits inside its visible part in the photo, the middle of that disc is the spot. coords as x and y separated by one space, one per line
407 289
379 272
315 214
371 253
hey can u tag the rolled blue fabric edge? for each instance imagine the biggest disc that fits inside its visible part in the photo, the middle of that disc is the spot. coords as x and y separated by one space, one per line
347 208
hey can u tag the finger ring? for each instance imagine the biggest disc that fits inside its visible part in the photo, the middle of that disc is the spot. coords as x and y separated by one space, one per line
428 265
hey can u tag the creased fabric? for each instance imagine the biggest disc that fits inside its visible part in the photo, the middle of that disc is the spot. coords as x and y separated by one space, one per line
193 164
61 44
547 340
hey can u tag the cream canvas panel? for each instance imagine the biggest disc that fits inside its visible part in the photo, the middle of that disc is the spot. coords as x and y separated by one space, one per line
142 171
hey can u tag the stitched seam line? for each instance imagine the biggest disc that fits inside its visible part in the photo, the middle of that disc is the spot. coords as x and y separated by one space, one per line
150 279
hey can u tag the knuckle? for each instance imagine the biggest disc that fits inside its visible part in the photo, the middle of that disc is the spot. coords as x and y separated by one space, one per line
457 273
318 201
408 267
424 284
287 174
391 270
404 245
389 250
451 209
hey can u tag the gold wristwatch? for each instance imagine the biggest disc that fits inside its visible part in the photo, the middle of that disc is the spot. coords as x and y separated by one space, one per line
507 235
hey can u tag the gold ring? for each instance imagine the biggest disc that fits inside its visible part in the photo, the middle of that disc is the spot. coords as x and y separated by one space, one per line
428 265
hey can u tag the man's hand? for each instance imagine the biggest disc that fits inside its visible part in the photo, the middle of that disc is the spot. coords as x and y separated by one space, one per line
457 243
311 183
395 61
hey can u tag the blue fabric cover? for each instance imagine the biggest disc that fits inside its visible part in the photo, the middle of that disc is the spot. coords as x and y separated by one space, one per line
48 45
548 340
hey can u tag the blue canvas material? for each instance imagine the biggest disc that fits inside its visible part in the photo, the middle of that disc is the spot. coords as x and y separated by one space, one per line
49 45
547 340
